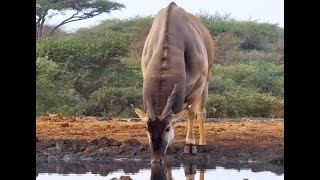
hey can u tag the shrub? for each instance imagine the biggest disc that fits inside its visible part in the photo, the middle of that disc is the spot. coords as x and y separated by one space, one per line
236 57
264 76
253 35
226 44
97 72
53 96
219 85
243 102
113 102
257 35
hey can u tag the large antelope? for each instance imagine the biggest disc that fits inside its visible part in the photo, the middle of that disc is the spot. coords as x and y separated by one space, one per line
176 65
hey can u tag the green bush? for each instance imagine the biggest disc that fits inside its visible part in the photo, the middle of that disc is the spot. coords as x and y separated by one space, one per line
268 78
53 96
257 35
132 25
226 45
242 102
217 23
82 49
96 71
236 57
253 35
219 85
264 76
113 102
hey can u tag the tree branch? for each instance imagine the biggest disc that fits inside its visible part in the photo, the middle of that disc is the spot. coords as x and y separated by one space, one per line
72 19
87 8
63 22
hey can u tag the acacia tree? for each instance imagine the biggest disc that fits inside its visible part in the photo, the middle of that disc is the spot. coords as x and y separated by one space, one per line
84 9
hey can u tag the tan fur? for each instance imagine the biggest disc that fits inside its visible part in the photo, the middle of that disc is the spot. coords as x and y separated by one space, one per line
185 35
178 51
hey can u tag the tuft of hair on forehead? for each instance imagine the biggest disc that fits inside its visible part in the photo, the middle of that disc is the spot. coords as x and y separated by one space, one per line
156 127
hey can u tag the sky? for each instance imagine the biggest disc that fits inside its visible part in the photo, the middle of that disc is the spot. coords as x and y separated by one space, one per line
271 11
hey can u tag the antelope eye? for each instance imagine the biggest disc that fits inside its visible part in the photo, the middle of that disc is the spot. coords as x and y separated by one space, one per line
168 128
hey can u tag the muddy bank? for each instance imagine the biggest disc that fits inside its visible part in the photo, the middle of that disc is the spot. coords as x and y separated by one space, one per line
105 149
85 140
227 133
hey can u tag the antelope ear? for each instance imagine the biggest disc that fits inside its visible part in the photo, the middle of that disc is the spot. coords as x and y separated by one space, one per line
142 115
180 115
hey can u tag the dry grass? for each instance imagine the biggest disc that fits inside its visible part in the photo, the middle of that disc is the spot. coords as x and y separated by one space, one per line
217 133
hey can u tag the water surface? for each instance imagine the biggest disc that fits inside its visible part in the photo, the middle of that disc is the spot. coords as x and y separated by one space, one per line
140 170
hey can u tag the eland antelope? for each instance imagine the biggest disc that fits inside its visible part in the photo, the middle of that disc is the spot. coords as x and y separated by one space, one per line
176 65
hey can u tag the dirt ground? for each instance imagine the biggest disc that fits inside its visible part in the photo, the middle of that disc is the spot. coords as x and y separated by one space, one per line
69 138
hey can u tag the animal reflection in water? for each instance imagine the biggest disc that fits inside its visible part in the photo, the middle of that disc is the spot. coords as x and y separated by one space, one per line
163 172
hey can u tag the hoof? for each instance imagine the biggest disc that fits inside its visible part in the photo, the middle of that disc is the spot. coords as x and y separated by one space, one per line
190 149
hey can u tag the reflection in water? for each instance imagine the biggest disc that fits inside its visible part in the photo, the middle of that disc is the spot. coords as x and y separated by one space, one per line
163 172
142 170
160 172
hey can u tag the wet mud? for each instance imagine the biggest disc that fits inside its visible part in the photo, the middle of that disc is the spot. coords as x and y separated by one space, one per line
104 149
230 144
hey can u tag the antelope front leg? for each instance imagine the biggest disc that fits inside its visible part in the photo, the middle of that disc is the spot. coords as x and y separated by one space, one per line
190 147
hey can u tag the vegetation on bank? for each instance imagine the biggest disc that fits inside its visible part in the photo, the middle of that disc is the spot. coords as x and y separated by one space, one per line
96 71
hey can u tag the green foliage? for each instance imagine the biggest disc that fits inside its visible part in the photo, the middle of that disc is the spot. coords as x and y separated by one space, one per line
89 7
46 29
256 35
138 27
132 25
253 35
264 76
84 9
226 45
250 56
253 89
53 96
113 102
81 48
242 102
97 71
84 63
218 23
219 85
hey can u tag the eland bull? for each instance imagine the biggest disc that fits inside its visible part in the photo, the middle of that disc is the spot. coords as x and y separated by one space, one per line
176 65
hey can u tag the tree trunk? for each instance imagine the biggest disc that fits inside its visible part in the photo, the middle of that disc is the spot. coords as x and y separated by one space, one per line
39 28
52 31
36 32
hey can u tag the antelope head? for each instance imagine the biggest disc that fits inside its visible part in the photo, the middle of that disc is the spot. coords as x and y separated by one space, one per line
160 128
